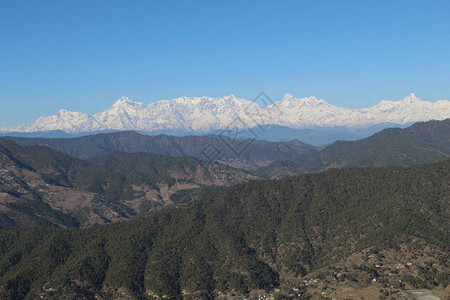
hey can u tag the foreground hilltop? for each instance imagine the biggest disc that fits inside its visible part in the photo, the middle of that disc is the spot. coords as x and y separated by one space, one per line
344 232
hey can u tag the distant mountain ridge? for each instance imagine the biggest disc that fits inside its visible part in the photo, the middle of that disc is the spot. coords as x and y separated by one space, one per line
244 154
206 114
423 142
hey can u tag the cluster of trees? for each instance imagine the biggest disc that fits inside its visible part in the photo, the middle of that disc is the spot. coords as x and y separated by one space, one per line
249 236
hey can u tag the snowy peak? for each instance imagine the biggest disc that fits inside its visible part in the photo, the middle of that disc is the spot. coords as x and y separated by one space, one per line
290 102
411 98
206 114
311 99
63 113
287 97
124 114
126 102
409 109
123 102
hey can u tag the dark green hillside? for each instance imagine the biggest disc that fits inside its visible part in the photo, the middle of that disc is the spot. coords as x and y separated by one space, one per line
146 162
424 142
252 236
184 168
63 170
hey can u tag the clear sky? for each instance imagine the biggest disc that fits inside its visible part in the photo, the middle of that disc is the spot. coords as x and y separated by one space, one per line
83 55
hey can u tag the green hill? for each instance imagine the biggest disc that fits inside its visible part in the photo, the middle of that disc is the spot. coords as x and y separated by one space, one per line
187 169
255 236
423 142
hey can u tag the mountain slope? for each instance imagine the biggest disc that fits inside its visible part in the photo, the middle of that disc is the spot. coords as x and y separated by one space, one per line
246 153
43 187
327 229
206 114
20 203
187 169
423 142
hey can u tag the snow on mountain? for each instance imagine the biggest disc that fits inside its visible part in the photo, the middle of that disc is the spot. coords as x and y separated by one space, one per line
124 114
205 114
71 122
410 109
194 113
308 112
311 112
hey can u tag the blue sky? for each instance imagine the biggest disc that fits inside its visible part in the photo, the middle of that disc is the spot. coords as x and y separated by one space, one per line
83 55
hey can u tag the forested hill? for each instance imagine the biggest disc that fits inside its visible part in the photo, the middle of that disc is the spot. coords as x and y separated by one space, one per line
40 186
244 153
423 142
184 168
257 235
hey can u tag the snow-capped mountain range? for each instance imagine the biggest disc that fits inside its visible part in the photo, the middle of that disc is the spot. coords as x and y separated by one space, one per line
205 114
